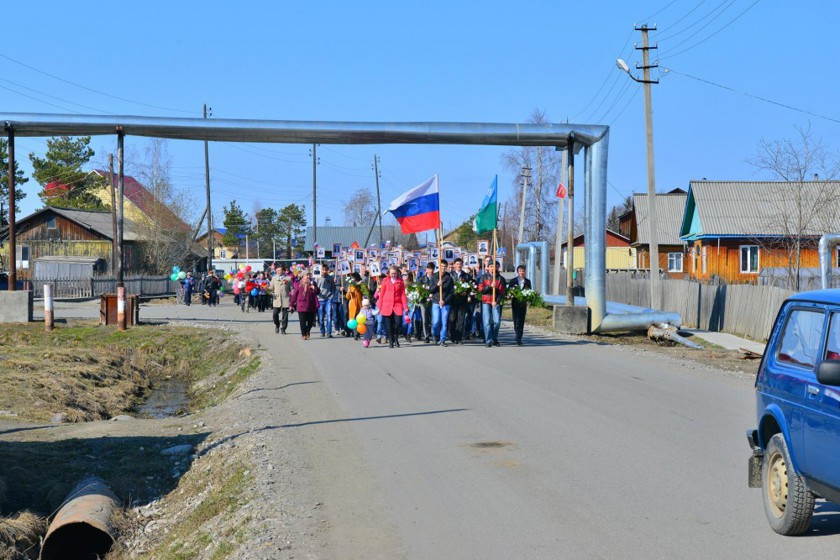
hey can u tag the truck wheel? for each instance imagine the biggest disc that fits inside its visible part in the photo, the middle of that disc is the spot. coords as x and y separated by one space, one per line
788 503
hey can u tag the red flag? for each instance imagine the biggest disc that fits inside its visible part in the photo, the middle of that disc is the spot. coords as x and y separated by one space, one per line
355 245
561 191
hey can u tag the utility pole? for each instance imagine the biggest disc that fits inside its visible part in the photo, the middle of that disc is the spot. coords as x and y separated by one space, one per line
113 213
12 246
378 201
558 237
207 188
526 173
314 196
653 230
655 292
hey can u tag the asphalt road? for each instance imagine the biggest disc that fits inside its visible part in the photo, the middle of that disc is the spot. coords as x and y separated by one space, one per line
559 449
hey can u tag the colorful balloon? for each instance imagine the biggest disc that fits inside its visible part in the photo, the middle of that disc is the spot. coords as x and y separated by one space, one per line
248 268
361 328
236 291
182 275
352 324
255 292
176 269
361 318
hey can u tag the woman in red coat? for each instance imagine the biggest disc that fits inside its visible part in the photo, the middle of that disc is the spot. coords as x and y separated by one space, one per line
304 301
392 304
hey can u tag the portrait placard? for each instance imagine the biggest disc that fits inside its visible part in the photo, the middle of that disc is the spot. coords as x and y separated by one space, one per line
374 268
434 253
449 255
336 249
357 267
321 253
483 247
413 264
344 267
359 255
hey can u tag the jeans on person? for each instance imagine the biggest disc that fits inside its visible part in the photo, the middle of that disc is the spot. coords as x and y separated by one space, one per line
325 316
440 320
380 326
491 332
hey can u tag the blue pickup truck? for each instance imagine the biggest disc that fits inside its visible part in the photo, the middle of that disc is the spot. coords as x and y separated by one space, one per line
796 446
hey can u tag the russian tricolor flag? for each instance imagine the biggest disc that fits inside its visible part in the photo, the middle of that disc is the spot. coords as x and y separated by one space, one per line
418 209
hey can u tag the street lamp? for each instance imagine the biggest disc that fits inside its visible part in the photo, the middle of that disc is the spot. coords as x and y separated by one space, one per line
655 292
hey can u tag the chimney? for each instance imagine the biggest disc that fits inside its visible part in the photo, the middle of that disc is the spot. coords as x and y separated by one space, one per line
816 176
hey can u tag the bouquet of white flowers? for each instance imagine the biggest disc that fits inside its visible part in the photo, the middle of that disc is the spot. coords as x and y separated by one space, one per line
465 289
528 296
417 293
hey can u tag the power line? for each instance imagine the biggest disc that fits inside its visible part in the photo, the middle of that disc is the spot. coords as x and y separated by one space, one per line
713 34
791 107
606 79
93 90
697 22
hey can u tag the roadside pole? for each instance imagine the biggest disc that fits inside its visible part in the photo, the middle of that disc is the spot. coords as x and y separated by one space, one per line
48 308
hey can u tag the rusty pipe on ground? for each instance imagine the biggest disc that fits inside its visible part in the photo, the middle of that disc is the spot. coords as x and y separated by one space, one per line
82 528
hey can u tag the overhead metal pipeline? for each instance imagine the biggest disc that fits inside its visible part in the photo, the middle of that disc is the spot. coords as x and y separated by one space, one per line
594 138
531 262
303 132
826 249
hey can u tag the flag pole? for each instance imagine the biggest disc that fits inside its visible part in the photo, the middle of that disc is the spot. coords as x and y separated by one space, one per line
493 277
440 268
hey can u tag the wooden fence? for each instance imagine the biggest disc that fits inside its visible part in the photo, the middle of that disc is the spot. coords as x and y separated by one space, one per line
740 309
92 287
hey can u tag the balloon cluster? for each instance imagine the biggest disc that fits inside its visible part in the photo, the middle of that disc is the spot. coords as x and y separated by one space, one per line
177 274
358 323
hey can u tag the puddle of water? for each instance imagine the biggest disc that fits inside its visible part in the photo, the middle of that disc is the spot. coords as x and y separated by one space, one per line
168 398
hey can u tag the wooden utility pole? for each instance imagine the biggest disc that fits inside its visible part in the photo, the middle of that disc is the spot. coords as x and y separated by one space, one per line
314 196
12 246
378 201
113 213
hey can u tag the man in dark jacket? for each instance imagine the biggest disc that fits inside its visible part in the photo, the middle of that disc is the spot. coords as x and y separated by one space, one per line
519 308
458 313
442 294
428 280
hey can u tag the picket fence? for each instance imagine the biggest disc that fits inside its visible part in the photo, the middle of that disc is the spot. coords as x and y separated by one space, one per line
81 288
740 309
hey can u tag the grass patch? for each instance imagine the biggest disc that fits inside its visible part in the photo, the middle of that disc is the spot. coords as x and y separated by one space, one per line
197 529
91 372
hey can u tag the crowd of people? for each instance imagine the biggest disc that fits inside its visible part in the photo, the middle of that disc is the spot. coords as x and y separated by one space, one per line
450 305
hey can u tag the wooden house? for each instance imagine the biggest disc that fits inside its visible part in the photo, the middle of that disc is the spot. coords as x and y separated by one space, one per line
619 254
669 213
60 232
735 229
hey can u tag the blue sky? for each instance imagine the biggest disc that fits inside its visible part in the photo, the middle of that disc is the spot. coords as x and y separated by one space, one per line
492 61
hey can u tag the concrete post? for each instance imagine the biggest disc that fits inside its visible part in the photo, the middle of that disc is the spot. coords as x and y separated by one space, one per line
120 308
48 308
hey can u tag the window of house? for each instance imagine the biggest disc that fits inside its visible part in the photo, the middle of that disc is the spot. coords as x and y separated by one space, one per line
675 262
749 259
51 222
703 253
222 253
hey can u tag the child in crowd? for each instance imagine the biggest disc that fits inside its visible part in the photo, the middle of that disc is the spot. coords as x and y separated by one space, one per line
370 322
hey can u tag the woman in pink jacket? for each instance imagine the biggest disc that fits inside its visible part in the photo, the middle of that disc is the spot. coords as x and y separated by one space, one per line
392 304
304 301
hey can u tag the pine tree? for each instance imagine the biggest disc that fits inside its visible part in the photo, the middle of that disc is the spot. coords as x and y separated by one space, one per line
4 183
61 169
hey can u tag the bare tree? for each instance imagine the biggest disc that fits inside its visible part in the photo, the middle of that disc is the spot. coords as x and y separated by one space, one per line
807 204
360 210
545 163
166 227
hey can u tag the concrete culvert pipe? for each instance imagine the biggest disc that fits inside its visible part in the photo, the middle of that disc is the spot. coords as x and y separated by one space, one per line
82 528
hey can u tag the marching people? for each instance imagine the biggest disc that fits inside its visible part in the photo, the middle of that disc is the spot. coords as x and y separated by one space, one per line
326 287
281 291
491 311
211 288
355 293
392 304
458 313
424 329
519 308
441 294
305 301
189 285
370 319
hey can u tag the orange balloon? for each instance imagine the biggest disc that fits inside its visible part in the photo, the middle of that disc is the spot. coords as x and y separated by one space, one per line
361 328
